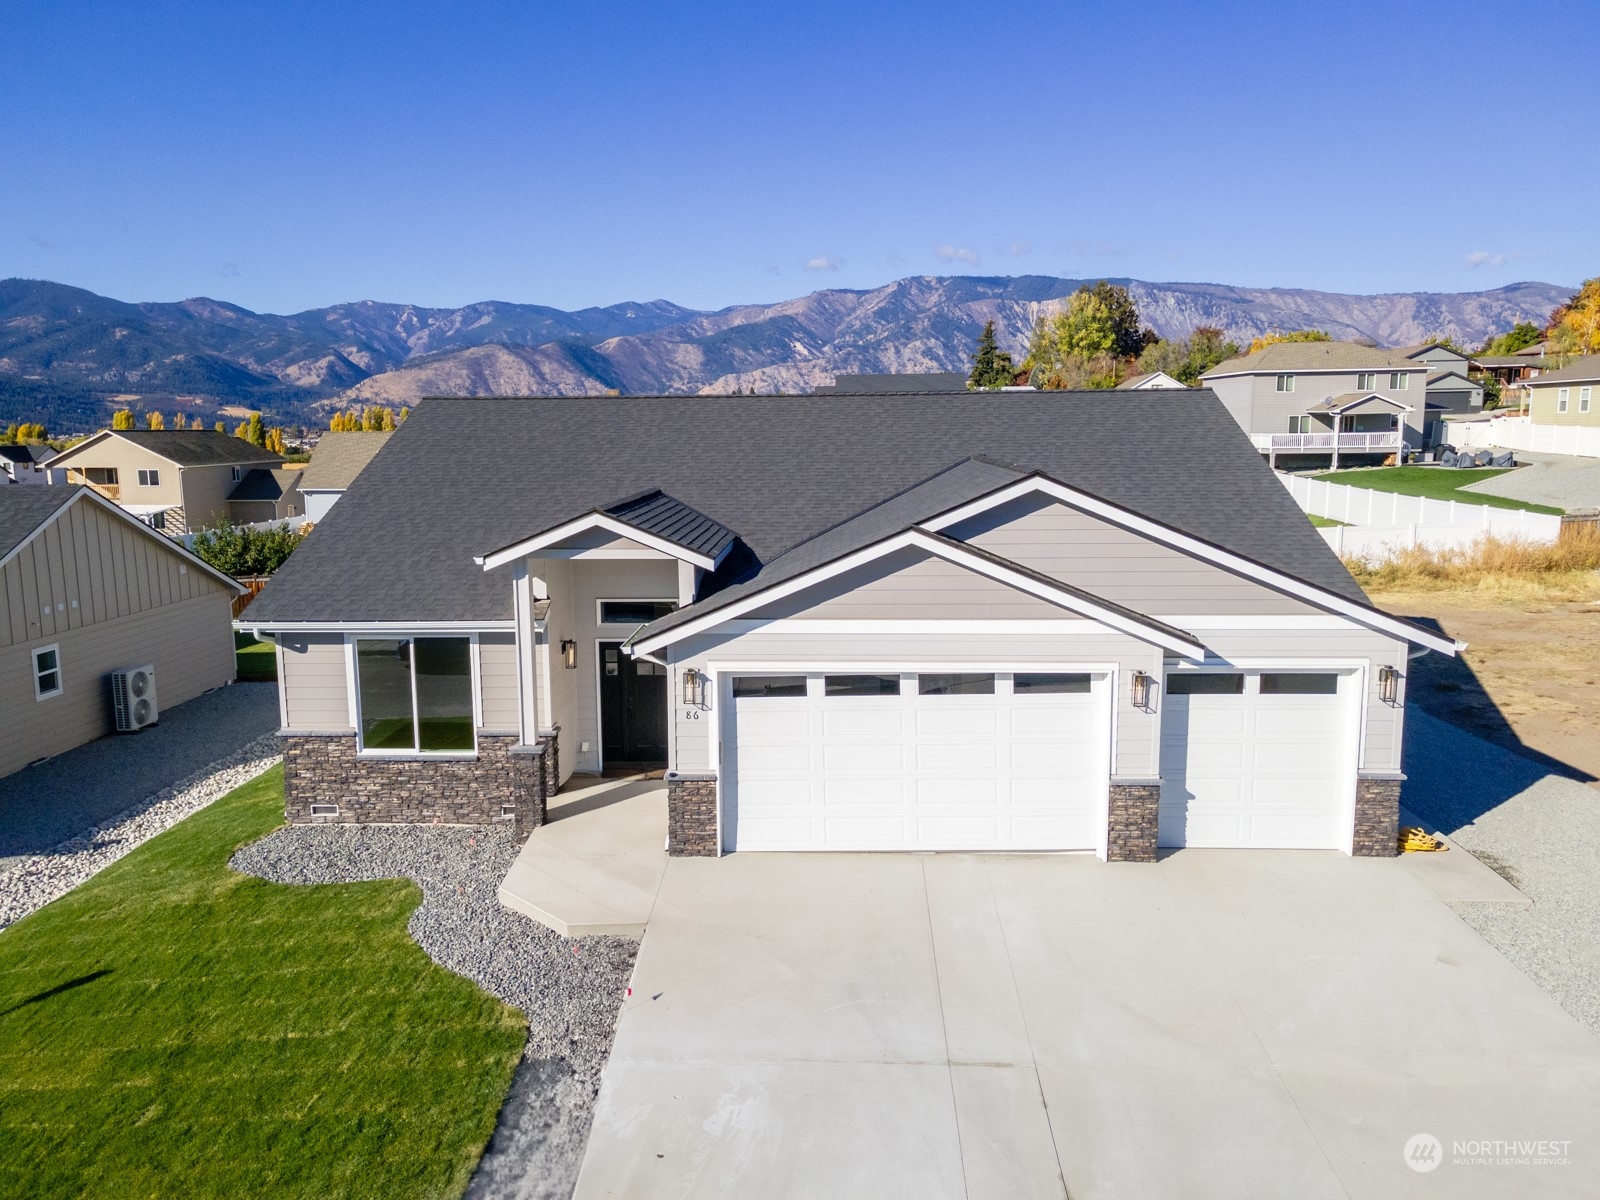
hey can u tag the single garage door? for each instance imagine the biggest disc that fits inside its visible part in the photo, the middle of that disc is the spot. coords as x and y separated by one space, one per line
1262 759
909 761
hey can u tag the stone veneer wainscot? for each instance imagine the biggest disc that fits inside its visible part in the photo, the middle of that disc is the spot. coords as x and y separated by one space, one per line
691 815
1134 821
1377 833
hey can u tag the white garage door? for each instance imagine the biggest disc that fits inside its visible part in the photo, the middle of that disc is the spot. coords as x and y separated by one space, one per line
1258 759
972 761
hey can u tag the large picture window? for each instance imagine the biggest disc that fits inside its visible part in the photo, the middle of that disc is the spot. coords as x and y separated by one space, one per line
415 695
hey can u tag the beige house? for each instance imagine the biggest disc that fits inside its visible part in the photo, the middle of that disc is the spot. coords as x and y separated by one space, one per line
174 480
85 588
1570 396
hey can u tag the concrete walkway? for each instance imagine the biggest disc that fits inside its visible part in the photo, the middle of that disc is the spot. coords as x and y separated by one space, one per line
1223 1024
596 864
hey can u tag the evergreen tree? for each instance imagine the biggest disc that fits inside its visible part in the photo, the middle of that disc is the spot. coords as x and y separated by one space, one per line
123 419
991 366
253 431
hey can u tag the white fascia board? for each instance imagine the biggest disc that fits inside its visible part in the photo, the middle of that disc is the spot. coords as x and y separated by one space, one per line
511 553
89 495
1372 396
401 627
1237 563
921 540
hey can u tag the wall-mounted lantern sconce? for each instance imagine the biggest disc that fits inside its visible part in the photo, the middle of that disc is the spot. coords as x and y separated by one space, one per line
1388 684
1140 690
694 688
569 654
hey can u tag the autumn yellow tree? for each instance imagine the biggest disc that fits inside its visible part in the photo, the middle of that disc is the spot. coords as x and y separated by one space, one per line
123 419
155 420
1575 326
1293 335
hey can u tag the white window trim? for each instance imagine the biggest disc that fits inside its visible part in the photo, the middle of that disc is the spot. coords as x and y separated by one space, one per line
543 541
1285 383
1585 396
1366 381
353 682
600 601
149 477
238 474
33 658
1563 395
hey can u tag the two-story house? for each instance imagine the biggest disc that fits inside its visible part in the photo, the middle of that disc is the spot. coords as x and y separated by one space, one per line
29 462
1333 401
174 480
1569 396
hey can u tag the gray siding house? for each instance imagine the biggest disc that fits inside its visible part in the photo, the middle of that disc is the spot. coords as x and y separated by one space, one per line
84 589
1339 402
998 620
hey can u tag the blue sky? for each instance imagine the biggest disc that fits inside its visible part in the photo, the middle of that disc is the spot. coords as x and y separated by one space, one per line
285 156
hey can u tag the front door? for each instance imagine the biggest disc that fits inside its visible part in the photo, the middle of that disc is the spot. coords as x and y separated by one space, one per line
633 708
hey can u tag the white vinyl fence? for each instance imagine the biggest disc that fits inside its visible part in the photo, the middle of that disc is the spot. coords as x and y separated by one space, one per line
292 522
1520 433
1378 524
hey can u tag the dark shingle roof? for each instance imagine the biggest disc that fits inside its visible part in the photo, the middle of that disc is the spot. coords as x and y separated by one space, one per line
674 521
1580 370
28 452
24 509
339 458
778 469
193 447
262 483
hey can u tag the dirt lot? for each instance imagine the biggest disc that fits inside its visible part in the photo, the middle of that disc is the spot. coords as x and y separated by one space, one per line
1530 677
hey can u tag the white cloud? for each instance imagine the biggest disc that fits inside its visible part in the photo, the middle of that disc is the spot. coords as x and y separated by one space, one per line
957 254
228 270
1018 249
1482 258
822 262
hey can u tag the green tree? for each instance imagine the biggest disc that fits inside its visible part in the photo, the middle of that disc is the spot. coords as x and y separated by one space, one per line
1128 337
1448 341
251 430
991 366
241 552
1519 337
122 419
1188 358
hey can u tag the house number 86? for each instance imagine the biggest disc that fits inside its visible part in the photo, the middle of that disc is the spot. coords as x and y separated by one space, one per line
691 714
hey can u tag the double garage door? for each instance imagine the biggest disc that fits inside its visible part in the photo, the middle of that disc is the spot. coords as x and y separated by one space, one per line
916 761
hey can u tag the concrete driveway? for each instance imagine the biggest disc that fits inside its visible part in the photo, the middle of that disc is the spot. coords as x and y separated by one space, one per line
1229 1024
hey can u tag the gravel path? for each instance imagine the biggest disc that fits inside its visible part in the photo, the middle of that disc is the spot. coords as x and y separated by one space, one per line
29 882
1563 481
570 989
88 786
1540 831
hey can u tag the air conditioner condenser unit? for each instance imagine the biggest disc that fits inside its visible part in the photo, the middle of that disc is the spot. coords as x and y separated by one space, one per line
133 698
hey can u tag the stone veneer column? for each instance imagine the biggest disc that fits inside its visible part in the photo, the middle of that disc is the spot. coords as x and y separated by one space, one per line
691 815
529 764
550 739
1133 820
1377 832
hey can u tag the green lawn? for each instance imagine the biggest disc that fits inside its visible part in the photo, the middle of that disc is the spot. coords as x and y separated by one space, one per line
1325 522
257 661
172 1028
1436 483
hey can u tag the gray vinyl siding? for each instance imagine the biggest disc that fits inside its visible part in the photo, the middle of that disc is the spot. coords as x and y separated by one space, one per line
311 674
912 584
1116 564
1454 400
497 670
1055 643
90 566
1236 393
188 641
1271 409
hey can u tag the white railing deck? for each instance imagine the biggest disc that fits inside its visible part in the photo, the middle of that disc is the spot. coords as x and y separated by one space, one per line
1389 439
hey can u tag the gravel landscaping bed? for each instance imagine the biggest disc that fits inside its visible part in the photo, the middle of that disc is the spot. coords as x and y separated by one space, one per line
570 989
30 882
1539 831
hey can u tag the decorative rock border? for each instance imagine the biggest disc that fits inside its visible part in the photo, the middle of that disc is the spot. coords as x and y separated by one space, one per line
42 878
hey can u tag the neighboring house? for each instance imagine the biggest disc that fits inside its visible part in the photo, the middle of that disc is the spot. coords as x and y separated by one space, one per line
938 381
1435 357
1149 381
26 463
334 465
84 589
992 620
266 494
1338 401
1514 372
1569 396
175 480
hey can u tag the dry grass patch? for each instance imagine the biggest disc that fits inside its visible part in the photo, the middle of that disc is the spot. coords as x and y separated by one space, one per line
1493 570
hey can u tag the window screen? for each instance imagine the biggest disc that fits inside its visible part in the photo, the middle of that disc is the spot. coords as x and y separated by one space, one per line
633 612
1206 684
1047 683
1299 684
955 685
745 686
861 685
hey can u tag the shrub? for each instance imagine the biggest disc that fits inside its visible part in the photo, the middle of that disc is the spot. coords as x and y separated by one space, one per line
1489 563
240 552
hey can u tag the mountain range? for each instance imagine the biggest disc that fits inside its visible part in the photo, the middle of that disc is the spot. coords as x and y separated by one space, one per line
70 356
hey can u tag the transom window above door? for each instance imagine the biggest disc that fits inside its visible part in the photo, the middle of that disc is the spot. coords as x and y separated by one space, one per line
634 612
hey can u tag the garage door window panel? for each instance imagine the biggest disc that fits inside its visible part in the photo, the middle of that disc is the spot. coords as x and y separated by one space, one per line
768 687
1208 683
861 685
1299 684
1049 684
955 685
